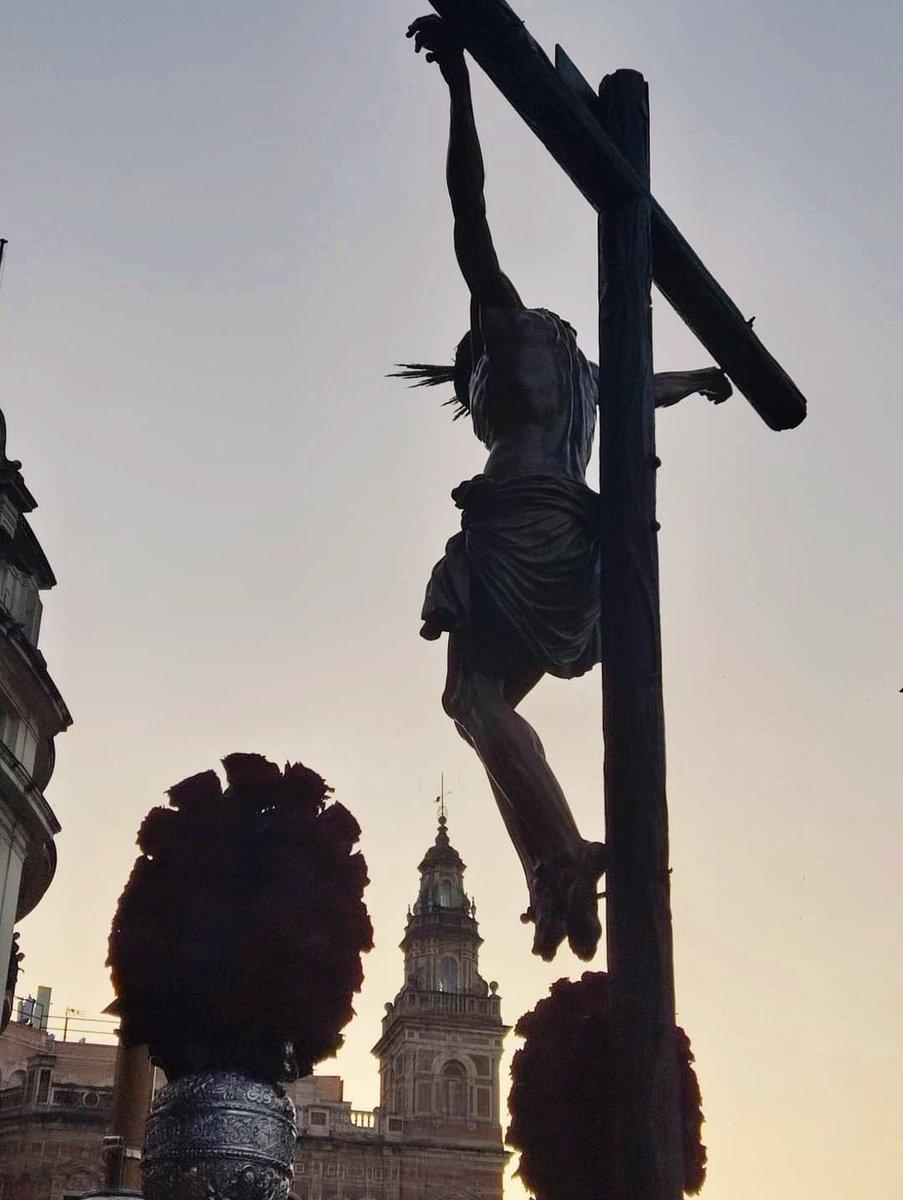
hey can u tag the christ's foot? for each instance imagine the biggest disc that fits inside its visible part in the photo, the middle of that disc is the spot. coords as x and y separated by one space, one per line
583 925
547 912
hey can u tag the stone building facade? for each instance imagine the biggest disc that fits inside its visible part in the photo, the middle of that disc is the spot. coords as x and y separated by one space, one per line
32 713
55 1106
436 1134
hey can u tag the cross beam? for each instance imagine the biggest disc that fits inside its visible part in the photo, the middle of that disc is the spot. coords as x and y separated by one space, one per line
562 110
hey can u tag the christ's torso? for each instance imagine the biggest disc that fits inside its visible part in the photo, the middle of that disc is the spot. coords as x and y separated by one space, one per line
529 395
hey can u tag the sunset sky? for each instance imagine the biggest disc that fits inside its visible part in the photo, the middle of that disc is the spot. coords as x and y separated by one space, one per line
226 222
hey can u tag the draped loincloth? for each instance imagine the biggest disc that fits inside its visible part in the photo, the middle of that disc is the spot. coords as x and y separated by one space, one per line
527 556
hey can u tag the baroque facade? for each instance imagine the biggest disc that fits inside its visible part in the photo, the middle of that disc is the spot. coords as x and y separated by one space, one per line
436 1134
32 713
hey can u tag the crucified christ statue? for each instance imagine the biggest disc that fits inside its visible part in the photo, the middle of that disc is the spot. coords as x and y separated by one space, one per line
517 591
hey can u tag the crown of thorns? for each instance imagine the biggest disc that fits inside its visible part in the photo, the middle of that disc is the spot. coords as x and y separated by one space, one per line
434 374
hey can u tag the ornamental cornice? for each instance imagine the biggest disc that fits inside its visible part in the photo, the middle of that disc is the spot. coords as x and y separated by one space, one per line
27 819
24 676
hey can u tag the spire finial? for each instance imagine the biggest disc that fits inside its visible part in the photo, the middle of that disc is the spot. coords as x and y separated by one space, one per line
440 801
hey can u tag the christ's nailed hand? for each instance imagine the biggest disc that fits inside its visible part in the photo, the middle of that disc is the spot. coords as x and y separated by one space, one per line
433 35
716 386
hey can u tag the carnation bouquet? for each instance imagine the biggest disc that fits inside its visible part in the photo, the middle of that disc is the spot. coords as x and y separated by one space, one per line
237 942
563 1098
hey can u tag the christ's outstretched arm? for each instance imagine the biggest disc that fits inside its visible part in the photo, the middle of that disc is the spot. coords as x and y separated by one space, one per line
671 386
464 171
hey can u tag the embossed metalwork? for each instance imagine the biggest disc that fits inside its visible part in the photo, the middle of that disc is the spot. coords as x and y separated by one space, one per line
110 1194
219 1135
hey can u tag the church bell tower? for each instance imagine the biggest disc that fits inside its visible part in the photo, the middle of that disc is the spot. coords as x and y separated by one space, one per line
442 1035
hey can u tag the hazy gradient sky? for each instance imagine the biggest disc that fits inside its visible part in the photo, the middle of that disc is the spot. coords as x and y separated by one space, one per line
226 222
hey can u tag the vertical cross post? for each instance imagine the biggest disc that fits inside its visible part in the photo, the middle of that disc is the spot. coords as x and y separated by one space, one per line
638 917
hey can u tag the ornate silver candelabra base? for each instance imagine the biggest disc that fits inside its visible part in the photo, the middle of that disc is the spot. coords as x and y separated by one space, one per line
219 1135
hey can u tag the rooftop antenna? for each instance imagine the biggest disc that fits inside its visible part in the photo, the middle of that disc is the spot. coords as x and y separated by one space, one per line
2 249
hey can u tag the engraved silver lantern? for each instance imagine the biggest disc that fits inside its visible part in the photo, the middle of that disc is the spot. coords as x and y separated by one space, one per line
219 1135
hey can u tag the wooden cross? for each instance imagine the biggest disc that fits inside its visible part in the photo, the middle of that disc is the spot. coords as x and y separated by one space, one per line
602 142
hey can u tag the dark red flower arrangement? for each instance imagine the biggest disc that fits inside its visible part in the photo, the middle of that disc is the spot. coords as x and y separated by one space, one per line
563 1101
237 941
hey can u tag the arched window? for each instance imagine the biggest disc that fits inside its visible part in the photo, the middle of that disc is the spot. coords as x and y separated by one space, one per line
448 974
445 894
452 1090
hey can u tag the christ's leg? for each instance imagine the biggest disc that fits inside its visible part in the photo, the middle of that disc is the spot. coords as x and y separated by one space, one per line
546 908
486 680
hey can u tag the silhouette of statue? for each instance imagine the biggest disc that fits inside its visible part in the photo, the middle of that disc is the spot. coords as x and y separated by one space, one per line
517 591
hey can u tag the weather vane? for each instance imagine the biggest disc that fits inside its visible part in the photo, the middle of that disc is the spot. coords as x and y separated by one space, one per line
440 799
